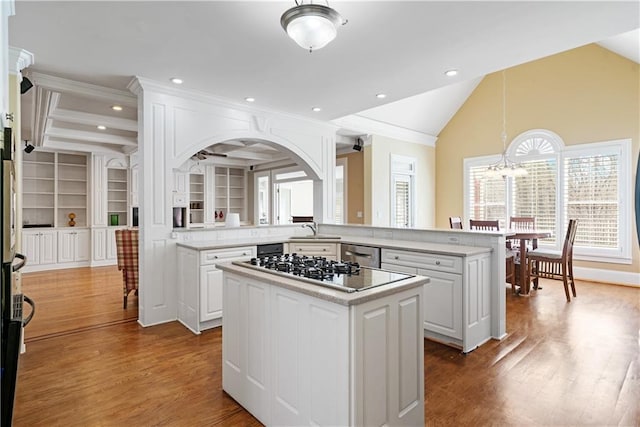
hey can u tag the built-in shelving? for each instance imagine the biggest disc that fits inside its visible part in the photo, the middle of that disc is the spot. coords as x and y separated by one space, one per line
196 199
117 193
54 185
230 193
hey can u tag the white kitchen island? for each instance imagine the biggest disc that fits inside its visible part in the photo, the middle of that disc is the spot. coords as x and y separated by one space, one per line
296 353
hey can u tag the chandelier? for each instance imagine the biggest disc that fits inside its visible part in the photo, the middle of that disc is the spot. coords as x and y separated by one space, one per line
505 167
312 26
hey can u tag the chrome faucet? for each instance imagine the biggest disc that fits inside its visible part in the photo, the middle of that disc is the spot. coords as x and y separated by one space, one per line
313 227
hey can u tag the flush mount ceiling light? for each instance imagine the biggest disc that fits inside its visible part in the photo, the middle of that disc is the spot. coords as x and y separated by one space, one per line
310 25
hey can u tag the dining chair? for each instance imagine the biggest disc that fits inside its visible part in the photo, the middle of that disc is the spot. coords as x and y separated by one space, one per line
558 265
522 223
455 222
510 270
484 225
127 253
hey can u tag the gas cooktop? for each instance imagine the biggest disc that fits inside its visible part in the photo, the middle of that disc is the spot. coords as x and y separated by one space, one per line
343 276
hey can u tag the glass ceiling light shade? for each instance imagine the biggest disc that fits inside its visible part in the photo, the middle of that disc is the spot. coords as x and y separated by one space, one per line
312 26
505 167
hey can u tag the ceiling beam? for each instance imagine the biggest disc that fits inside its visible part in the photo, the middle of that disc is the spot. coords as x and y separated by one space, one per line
83 118
59 84
92 137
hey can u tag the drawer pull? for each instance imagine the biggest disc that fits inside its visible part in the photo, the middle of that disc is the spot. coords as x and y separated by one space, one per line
244 254
396 257
324 249
215 257
437 262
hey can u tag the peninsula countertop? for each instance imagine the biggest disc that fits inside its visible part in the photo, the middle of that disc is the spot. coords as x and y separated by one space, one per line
426 247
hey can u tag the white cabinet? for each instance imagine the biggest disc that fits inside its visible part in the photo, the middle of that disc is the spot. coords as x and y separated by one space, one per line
293 359
457 299
103 244
39 247
73 246
328 250
200 285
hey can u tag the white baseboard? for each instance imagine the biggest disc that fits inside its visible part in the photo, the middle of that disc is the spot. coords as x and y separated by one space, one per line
607 276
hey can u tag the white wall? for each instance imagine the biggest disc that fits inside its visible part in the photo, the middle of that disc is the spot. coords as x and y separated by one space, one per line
172 125
379 208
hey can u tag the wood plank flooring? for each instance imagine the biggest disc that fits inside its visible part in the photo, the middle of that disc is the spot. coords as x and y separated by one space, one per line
562 363
76 299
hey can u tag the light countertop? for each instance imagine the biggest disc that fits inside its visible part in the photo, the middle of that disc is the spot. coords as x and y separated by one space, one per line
321 292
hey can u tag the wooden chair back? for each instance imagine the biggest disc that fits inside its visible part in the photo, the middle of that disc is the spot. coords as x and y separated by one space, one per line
127 252
488 225
455 222
569 238
522 223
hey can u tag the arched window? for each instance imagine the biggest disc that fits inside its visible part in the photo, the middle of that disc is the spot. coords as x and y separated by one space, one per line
589 182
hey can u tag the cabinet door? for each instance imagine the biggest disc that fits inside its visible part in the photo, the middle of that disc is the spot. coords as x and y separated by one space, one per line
398 268
210 293
66 246
112 250
81 245
99 244
31 246
443 303
48 240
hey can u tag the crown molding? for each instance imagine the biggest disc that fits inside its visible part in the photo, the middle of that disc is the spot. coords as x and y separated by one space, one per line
19 59
139 84
59 84
374 127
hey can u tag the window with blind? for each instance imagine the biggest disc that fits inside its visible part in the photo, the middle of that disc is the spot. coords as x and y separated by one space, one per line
403 171
589 182
591 195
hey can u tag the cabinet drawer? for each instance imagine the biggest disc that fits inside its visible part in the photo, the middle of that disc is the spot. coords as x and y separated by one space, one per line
451 264
217 255
324 249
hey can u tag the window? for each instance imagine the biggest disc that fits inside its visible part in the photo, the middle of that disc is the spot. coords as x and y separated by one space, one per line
590 182
403 170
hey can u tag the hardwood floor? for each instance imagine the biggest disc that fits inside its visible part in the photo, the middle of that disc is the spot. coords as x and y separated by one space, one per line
562 363
76 299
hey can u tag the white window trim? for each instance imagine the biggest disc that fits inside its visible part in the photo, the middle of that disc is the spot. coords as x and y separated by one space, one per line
256 202
622 255
343 161
412 162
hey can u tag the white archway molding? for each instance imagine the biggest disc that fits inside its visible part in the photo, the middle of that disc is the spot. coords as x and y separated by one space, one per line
302 158
173 125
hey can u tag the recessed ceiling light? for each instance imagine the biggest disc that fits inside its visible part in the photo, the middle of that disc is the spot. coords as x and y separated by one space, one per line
176 80
116 108
381 95
102 127
316 109
451 73
249 99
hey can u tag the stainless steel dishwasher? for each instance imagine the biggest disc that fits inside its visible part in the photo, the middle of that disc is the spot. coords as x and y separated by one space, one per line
366 256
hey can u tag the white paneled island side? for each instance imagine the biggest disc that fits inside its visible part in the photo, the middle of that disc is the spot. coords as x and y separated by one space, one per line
297 353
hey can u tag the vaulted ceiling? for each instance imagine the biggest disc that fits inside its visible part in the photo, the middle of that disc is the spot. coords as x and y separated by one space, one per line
86 53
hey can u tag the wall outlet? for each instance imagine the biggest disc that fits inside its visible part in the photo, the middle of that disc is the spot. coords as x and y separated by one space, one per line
359 214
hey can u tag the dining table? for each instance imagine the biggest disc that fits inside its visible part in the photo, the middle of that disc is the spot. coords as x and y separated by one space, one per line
525 236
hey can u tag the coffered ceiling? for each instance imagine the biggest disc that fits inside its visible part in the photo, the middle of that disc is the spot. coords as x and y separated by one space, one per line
86 52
